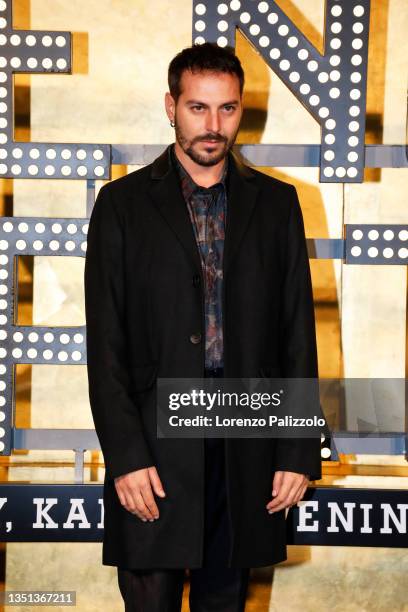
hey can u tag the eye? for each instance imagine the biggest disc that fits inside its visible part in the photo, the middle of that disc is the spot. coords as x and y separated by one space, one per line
197 107
229 107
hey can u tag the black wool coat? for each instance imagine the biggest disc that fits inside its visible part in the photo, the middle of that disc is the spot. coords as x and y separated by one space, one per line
144 306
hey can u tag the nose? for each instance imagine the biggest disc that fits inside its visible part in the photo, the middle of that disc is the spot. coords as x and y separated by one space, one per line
213 121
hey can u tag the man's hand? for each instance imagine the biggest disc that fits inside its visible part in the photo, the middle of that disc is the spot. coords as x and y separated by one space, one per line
135 492
288 488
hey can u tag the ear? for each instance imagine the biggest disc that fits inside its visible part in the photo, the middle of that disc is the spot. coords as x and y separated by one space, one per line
170 106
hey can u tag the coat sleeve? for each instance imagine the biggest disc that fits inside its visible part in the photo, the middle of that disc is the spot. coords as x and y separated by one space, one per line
298 341
116 416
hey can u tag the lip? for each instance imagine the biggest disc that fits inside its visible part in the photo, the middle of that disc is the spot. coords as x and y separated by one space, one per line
211 141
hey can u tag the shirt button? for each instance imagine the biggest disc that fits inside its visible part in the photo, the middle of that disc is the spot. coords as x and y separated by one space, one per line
195 338
196 280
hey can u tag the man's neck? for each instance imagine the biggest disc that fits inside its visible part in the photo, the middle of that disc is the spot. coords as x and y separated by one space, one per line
205 176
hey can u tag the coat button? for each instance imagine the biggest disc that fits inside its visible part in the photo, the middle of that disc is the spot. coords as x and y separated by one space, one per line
196 280
195 338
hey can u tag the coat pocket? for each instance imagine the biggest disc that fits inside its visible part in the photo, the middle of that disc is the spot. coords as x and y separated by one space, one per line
143 377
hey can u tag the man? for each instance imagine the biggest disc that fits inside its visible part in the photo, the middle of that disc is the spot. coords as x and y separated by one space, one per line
196 266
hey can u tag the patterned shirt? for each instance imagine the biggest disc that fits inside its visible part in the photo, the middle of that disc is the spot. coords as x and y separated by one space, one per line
207 207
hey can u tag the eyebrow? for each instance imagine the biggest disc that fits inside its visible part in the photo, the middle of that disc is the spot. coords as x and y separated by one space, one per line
203 103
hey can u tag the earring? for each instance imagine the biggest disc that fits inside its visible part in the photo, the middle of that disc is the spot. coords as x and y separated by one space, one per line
172 124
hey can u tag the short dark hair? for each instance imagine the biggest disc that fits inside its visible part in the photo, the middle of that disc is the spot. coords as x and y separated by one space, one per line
199 57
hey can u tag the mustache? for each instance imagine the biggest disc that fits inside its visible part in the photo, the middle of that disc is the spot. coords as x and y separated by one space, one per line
215 137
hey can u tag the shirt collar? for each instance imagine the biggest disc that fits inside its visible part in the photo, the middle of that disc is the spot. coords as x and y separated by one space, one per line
188 184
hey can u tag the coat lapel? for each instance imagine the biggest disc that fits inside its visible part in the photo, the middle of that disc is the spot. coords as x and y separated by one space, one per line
242 193
167 196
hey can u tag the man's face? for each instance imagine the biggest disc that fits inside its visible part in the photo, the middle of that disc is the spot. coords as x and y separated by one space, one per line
207 115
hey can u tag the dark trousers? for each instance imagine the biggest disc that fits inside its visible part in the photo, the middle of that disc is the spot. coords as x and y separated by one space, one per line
214 587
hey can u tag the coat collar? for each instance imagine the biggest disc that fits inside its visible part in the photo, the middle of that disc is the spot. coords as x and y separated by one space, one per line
162 165
168 198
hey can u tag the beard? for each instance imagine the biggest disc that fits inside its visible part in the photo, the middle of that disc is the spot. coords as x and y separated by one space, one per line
212 158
